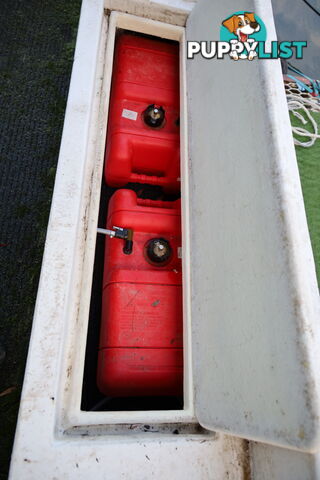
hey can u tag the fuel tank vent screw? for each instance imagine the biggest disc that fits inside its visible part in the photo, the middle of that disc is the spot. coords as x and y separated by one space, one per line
158 251
128 244
125 234
154 116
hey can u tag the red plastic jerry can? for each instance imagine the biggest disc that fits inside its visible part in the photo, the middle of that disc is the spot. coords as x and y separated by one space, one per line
143 129
141 329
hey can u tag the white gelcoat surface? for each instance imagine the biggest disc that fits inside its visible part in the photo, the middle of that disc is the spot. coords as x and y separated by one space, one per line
270 462
168 11
255 302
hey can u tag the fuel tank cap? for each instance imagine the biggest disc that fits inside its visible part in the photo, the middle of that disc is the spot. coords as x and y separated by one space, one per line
154 116
158 251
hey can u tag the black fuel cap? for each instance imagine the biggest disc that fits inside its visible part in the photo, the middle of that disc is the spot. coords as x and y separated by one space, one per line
158 251
154 116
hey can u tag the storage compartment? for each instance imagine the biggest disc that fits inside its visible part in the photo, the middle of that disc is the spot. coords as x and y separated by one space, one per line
136 301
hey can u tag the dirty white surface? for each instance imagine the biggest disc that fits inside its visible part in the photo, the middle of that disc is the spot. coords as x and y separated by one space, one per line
168 11
255 301
269 463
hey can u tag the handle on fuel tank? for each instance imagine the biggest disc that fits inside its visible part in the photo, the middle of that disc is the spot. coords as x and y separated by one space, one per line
150 179
146 202
123 233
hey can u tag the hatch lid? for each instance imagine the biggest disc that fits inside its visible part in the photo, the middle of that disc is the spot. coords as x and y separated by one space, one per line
255 302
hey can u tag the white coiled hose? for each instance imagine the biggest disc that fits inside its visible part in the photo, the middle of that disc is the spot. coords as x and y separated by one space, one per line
295 103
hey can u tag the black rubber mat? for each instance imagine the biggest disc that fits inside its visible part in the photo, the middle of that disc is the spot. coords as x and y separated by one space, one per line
37 41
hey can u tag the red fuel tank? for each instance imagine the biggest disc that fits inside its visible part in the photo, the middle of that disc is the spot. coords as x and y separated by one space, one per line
141 328
145 91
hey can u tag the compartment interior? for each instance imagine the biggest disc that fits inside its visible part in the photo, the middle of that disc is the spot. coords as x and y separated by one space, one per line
92 398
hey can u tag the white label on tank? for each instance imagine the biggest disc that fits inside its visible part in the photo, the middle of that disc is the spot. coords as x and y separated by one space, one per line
130 114
179 252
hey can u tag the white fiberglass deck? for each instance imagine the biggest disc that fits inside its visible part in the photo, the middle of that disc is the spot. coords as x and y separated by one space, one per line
251 303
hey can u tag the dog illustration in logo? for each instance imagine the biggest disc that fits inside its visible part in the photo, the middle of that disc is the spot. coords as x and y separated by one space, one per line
242 26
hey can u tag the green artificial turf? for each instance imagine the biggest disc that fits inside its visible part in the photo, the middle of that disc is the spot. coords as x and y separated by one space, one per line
309 167
37 47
